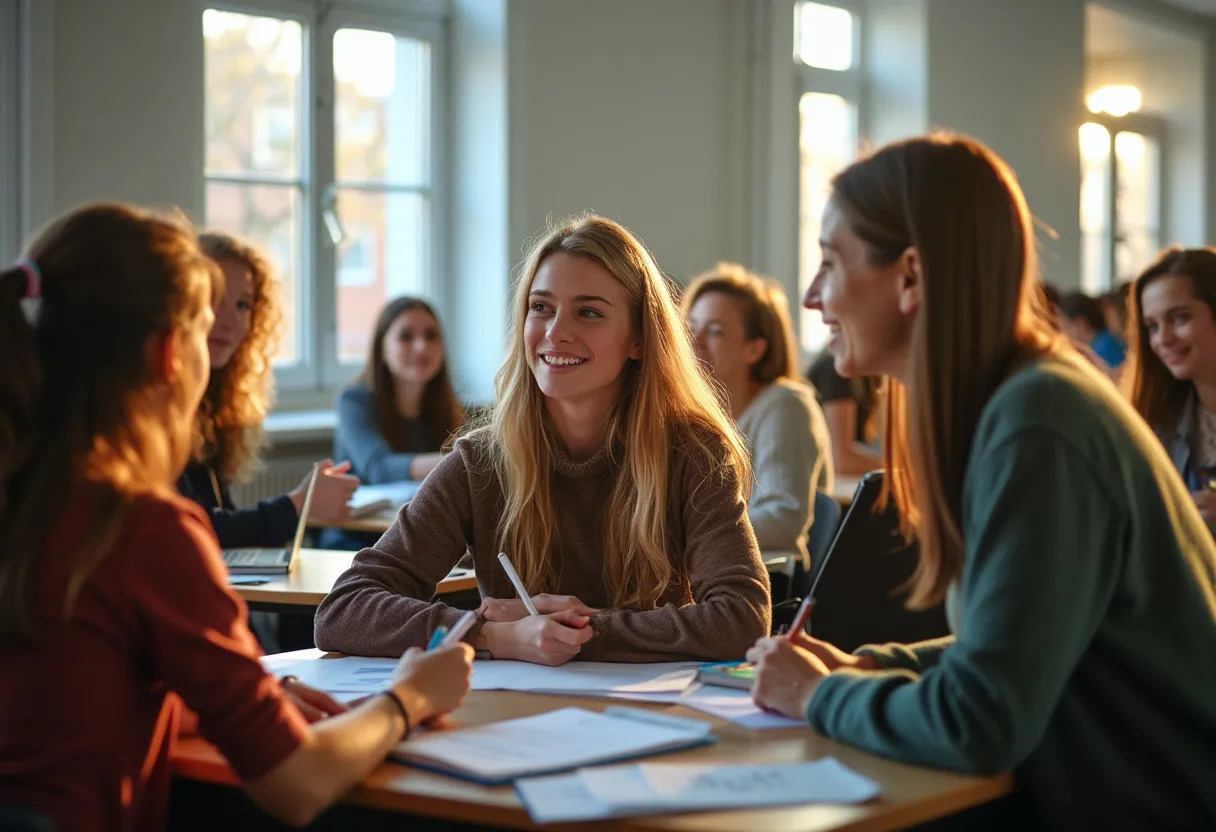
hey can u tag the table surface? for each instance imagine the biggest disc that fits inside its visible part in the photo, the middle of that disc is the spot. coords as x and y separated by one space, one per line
910 794
315 574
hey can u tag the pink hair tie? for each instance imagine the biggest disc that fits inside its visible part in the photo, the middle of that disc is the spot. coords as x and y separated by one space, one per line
33 277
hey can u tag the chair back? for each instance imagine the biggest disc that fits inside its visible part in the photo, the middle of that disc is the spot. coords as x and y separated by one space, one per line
858 597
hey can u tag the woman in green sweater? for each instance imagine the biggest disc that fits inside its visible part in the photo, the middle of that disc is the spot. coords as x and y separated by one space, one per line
1078 576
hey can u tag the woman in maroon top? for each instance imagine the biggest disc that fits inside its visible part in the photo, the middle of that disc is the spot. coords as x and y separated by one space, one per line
114 603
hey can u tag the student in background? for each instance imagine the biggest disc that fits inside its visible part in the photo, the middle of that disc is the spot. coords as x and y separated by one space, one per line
1171 373
849 408
608 473
237 399
113 603
395 418
741 332
1114 311
1079 580
1082 319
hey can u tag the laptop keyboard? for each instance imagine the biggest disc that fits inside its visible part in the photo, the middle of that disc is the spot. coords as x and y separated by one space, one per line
255 557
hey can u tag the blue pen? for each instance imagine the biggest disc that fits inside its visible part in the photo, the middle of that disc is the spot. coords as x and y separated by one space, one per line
437 637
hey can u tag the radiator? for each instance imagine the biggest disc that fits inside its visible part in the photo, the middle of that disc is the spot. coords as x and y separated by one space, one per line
280 474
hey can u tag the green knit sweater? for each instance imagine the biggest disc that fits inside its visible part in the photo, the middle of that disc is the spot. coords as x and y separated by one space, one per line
1084 649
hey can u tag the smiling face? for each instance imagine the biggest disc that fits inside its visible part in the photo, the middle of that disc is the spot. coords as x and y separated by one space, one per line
869 309
578 333
233 312
413 348
720 337
1180 328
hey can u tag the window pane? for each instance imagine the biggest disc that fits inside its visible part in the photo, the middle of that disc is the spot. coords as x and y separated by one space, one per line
823 36
252 93
269 216
385 253
382 106
1095 207
1137 238
827 142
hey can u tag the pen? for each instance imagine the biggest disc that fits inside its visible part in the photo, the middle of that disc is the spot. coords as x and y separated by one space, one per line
519 585
462 626
804 612
437 637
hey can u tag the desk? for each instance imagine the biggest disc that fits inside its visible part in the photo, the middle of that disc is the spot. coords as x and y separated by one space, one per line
843 489
910 795
377 523
314 576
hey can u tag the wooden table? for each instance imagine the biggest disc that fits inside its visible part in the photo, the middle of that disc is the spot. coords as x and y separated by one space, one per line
843 488
910 794
377 523
314 576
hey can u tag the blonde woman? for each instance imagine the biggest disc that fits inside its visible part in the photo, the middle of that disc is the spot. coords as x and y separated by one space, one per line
608 473
1078 578
741 331
240 347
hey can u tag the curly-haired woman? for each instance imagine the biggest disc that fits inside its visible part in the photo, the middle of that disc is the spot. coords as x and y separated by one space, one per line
241 344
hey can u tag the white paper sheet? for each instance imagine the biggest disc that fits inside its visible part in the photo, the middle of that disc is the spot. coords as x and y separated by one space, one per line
639 682
735 705
654 788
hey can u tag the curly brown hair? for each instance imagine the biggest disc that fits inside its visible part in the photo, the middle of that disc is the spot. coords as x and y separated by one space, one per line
240 394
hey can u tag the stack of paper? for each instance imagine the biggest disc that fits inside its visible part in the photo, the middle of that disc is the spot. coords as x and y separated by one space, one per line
653 788
372 499
555 741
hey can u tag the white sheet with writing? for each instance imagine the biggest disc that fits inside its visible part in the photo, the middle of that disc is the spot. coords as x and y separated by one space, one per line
653 788
735 705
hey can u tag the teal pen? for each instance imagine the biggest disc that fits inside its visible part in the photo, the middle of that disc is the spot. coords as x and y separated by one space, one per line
437 637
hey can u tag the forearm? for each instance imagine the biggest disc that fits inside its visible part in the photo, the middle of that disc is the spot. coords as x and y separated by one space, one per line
916 658
339 753
363 618
717 629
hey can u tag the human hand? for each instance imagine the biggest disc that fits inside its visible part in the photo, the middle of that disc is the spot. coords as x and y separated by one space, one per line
786 676
551 639
513 609
331 497
434 682
833 657
313 704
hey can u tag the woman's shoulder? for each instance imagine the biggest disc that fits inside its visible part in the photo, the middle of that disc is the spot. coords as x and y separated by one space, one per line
356 393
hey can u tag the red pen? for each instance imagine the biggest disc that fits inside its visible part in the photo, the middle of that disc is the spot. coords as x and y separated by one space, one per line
804 613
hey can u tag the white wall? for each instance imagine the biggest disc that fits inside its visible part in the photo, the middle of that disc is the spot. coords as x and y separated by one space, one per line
632 109
1013 75
128 106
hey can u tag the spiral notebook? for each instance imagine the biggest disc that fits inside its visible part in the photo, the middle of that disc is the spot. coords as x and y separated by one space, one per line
550 742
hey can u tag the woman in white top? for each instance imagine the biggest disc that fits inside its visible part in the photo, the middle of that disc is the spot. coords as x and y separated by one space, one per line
742 331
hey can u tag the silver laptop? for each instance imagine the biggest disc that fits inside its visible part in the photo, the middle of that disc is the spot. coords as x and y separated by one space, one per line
248 559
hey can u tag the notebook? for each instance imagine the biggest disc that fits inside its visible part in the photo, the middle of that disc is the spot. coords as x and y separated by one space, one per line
373 499
245 560
728 675
560 740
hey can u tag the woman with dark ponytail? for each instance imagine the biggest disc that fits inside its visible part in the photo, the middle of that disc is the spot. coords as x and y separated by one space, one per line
114 604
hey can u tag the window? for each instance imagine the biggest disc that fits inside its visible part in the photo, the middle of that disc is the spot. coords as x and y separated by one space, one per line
321 140
1120 199
826 53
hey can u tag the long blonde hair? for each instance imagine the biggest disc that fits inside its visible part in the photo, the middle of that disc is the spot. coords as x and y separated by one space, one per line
981 316
666 399
765 315
241 392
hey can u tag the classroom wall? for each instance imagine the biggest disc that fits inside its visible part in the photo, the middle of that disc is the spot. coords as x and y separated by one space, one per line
128 109
632 109
997 71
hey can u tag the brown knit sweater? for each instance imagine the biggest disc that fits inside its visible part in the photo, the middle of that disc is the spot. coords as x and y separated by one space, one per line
715 608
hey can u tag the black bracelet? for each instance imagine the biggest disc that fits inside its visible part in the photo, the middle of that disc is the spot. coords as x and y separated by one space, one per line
395 698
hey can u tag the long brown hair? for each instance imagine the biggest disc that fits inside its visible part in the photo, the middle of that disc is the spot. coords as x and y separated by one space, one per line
77 396
1154 392
241 392
442 414
981 316
667 398
765 315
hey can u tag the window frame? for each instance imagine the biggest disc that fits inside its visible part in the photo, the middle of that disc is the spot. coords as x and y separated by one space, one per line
849 84
1153 128
318 373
